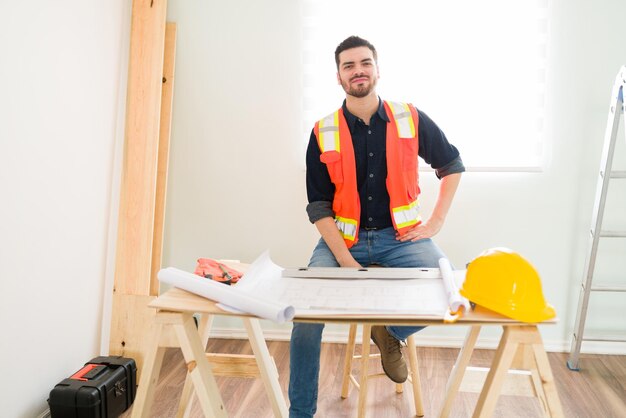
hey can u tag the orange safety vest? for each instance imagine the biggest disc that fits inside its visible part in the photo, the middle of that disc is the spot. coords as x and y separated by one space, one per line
335 142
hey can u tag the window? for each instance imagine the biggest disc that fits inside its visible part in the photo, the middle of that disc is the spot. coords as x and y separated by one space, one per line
477 68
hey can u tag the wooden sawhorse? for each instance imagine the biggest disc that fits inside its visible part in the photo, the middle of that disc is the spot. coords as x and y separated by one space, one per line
175 327
521 343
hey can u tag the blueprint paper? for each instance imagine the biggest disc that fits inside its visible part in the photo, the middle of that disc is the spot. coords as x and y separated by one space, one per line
314 297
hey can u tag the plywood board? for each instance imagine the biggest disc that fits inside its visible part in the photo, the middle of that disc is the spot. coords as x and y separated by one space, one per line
139 170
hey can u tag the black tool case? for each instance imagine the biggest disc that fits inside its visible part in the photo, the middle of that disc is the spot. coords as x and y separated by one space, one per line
104 388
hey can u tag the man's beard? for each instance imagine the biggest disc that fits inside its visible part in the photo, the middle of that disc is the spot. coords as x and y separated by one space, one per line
359 91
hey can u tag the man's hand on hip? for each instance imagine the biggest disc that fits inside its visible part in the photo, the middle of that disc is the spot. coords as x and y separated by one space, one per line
424 230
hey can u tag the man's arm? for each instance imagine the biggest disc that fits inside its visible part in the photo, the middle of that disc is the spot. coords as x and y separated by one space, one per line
331 235
320 193
433 225
436 151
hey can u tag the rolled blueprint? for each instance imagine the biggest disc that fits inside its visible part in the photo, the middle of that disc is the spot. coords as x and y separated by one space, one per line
455 300
227 295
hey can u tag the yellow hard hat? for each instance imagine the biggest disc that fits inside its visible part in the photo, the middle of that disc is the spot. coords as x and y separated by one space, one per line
503 281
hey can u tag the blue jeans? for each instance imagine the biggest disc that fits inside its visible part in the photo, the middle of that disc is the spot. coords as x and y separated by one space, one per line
374 247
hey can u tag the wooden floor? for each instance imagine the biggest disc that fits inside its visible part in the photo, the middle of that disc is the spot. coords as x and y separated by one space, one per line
598 390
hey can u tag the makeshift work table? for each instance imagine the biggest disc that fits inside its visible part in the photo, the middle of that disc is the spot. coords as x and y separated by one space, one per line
520 343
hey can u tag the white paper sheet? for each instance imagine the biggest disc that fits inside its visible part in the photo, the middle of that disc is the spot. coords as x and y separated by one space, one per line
229 296
314 297
455 300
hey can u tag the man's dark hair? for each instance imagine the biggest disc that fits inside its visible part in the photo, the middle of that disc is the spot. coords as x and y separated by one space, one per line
354 42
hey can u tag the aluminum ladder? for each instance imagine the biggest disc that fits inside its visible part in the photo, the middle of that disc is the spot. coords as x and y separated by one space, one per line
616 111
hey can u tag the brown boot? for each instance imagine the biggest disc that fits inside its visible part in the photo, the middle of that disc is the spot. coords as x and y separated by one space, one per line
390 354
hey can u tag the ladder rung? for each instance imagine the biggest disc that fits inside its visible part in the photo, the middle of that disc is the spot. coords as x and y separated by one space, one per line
613 234
616 174
608 288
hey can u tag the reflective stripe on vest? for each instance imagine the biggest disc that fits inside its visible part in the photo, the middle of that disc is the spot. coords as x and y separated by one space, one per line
404 121
347 227
408 215
329 133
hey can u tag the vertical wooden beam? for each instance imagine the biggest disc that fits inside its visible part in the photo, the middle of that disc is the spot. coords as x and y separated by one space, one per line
131 327
149 379
365 355
416 382
167 95
133 262
347 362
143 108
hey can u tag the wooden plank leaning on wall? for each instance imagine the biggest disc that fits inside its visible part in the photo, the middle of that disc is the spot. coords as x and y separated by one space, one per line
164 153
142 198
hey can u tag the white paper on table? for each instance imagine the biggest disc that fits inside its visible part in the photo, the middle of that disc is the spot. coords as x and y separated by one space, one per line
227 296
312 297
262 272
361 297
455 300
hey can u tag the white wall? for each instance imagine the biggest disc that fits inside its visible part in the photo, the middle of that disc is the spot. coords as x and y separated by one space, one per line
60 72
236 184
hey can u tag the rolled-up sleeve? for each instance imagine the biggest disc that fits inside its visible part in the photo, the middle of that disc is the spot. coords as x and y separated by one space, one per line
318 210
454 166
436 150
320 190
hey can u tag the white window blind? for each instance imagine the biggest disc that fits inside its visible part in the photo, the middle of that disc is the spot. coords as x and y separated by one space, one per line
477 68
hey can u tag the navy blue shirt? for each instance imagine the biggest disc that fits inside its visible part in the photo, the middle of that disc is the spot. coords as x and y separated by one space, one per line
371 166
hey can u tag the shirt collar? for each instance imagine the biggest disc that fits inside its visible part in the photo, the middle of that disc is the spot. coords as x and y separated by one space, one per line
351 119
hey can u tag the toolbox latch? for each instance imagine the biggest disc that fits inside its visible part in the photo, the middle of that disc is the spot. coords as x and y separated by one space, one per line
120 388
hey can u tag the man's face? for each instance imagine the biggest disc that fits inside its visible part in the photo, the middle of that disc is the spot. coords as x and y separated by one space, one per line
358 72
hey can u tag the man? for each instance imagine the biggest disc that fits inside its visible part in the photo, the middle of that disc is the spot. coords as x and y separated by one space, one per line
362 186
